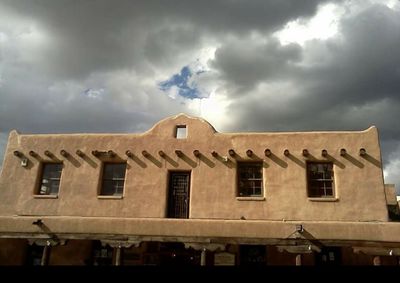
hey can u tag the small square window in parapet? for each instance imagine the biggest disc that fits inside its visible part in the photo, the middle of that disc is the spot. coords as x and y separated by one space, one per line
181 132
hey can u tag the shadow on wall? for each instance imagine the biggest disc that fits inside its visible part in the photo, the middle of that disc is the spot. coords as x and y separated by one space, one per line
394 212
277 160
373 160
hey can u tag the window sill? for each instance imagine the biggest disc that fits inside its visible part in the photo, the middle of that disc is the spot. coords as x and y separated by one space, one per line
251 198
45 196
323 199
109 197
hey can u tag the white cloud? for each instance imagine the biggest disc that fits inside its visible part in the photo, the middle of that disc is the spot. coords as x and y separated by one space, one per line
322 26
391 171
213 109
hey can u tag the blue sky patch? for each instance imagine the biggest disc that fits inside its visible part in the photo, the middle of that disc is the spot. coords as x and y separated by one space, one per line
186 88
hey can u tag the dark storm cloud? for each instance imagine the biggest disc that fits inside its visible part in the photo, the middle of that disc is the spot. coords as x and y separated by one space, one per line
243 63
102 35
366 66
162 46
43 106
220 15
357 83
68 42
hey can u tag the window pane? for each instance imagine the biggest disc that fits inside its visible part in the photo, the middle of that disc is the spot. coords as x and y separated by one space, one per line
119 187
108 187
257 191
320 179
243 175
108 171
50 182
250 179
47 170
114 171
54 185
119 171
257 174
327 184
181 132
113 178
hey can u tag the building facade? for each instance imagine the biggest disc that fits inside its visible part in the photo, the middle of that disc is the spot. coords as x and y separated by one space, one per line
183 193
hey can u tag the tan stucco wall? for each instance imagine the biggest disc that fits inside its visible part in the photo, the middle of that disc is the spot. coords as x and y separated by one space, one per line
390 192
220 231
359 184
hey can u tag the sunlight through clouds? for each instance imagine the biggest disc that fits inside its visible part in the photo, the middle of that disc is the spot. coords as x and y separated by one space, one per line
322 26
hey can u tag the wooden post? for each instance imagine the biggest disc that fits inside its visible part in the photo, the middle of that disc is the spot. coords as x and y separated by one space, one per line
203 257
298 260
117 256
45 255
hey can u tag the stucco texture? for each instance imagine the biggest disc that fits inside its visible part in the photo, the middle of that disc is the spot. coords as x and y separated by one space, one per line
358 180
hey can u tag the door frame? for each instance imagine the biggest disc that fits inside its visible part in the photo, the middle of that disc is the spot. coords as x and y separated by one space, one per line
169 192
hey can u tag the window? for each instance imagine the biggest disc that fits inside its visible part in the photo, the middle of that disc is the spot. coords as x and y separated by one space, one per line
181 132
50 180
329 256
250 182
113 179
102 255
320 179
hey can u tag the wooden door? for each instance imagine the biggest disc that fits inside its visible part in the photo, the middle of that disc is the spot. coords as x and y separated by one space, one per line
178 200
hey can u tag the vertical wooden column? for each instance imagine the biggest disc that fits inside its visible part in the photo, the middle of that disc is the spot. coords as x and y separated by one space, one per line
203 257
117 255
298 260
117 248
45 255
46 244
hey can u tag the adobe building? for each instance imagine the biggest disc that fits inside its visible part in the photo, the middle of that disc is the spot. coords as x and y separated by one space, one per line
392 203
183 193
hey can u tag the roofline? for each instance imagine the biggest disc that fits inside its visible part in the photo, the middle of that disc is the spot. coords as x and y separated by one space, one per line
197 118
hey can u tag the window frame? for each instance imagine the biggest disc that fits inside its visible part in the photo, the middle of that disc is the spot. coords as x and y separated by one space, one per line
239 194
38 188
332 180
177 132
101 192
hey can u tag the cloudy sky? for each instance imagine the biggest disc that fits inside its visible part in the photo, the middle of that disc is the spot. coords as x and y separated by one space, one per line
263 65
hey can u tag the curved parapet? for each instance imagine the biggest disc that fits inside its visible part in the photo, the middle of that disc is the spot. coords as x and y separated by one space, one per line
195 127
